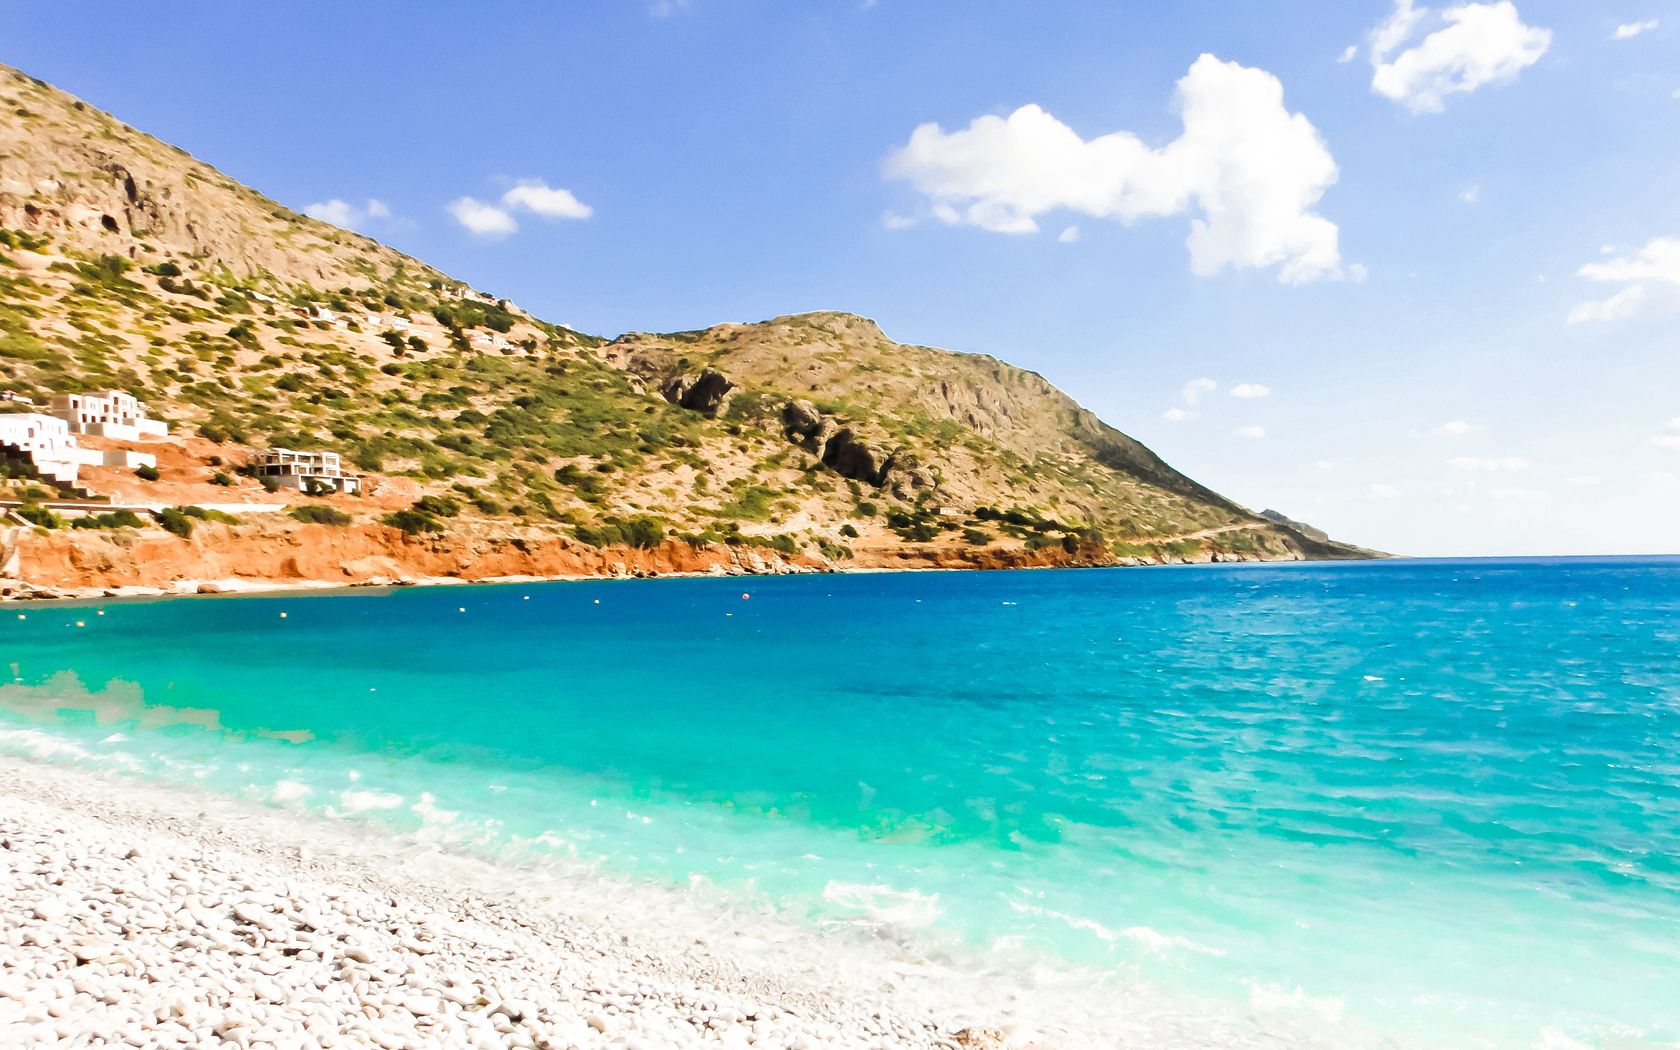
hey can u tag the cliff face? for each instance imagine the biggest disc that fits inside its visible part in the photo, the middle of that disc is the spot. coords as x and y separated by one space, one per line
809 440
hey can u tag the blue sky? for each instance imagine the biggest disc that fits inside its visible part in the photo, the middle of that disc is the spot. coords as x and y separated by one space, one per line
1442 241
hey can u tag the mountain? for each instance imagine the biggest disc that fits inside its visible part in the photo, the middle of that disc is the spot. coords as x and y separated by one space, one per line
496 443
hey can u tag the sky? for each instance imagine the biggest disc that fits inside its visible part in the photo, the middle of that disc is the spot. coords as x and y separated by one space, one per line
1410 273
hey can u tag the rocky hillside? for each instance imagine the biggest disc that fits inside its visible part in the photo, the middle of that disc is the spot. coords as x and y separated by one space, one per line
810 439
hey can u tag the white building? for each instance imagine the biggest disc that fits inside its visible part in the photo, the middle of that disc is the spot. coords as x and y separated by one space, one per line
306 470
107 413
42 441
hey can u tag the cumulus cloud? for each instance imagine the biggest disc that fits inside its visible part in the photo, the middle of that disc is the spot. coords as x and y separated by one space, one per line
1249 433
1193 391
1253 170
1176 415
481 219
1488 464
1629 30
1477 44
1470 194
1453 428
1069 235
533 196
537 197
1251 390
1669 437
1651 276
341 212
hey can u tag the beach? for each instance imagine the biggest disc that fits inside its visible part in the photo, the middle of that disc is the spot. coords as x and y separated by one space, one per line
150 917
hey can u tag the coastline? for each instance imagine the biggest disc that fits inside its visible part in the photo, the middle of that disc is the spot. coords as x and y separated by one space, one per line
223 560
145 911
167 916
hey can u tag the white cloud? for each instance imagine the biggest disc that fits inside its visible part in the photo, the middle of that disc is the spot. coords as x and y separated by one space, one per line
1657 261
1488 464
1470 194
1177 415
1478 44
667 8
1629 30
1382 491
481 219
1249 433
1625 303
1252 169
1192 391
1069 235
1454 428
1646 273
1348 54
894 221
341 212
1251 390
1670 436
1512 492
537 197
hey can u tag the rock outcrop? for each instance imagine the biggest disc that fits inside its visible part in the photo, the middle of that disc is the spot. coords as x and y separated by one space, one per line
707 391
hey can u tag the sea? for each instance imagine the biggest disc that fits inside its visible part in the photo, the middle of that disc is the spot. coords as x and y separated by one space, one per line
1408 803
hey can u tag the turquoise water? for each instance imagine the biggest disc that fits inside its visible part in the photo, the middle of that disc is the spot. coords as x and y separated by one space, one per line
1437 800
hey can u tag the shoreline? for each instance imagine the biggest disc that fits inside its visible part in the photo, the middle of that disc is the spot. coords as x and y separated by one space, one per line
148 911
248 587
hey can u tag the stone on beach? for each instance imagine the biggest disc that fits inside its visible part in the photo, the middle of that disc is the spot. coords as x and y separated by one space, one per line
141 928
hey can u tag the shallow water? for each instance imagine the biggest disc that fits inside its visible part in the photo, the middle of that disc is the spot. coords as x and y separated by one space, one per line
1435 800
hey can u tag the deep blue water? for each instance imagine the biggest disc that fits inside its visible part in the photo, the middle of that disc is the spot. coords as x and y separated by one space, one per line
1440 800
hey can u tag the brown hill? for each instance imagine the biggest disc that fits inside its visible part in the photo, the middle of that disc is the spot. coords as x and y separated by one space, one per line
813 438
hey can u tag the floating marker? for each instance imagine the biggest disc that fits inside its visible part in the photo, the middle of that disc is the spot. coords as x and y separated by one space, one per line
101 612
745 596
282 616
79 623
462 609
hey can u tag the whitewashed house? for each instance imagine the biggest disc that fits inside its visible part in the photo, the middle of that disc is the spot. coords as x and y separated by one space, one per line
42 441
107 413
306 470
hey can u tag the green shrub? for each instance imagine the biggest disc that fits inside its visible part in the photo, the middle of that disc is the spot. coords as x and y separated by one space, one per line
39 515
174 519
866 509
849 531
412 522
316 514
116 519
147 473
643 531
978 537
221 479
437 506
205 514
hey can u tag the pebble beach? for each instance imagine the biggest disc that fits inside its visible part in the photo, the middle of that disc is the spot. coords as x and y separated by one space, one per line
138 917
